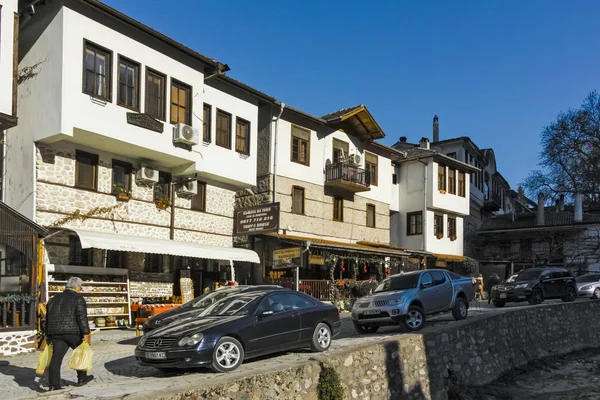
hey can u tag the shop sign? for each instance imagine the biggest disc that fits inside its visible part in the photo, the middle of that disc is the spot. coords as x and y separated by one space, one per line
316 260
144 121
257 220
287 258
187 289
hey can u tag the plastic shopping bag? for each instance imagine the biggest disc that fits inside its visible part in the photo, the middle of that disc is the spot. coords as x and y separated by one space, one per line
45 357
81 360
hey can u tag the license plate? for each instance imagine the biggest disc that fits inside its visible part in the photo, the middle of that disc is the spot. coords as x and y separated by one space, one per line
502 295
157 355
371 312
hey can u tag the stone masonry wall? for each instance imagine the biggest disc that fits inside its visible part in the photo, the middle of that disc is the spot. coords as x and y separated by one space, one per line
56 197
473 352
12 343
318 218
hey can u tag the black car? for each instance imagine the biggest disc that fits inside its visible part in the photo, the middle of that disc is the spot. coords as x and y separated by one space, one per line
535 285
194 307
241 326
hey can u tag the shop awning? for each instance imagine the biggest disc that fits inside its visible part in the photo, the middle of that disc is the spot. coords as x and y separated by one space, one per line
449 257
139 244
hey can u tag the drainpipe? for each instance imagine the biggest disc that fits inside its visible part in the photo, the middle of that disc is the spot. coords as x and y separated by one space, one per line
282 106
424 229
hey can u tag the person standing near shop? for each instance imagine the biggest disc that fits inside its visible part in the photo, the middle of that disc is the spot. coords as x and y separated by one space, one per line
67 326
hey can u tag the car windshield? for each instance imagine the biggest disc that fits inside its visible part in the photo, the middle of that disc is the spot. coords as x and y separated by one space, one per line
208 299
240 304
528 275
402 282
588 278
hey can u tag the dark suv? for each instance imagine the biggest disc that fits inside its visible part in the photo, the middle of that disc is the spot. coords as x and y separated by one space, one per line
535 285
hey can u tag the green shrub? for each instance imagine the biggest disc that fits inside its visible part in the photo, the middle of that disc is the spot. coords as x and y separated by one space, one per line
329 387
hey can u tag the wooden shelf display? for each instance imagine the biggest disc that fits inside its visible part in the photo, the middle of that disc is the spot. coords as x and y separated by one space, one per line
105 290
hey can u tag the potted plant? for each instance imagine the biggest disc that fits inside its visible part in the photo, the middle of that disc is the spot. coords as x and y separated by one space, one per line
121 192
161 199
439 235
453 238
442 191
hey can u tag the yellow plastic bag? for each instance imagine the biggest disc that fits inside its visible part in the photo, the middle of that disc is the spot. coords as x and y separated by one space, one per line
81 360
45 357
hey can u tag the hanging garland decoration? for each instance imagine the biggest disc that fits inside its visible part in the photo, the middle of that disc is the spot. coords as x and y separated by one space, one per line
469 265
365 270
354 273
18 298
77 215
380 269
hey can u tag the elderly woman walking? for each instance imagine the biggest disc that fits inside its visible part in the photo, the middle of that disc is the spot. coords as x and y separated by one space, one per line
67 326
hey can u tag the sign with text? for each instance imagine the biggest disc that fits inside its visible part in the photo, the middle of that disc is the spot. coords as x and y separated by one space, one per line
287 258
257 220
187 289
144 121
316 260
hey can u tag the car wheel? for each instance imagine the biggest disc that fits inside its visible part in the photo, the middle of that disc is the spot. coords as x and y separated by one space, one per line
414 319
571 294
461 309
596 294
362 329
499 303
537 297
228 355
321 339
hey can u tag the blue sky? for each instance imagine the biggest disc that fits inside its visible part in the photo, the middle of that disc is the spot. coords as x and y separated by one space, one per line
497 71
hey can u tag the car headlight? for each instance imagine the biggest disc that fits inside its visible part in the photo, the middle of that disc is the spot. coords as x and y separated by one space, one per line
521 286
142 341
586 287
395 302
191 341
494 288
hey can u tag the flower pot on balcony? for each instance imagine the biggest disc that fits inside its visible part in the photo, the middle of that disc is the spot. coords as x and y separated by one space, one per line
162 204
122 196
439 236
442 191
453 238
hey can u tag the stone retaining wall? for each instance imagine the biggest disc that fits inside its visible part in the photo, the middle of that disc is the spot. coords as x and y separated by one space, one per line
473 352
12 343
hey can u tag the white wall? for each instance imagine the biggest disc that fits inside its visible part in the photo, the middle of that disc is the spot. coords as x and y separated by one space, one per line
411 184
8 8
444 245
448 202
321 152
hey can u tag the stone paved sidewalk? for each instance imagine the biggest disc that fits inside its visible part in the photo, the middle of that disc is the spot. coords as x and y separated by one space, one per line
117 374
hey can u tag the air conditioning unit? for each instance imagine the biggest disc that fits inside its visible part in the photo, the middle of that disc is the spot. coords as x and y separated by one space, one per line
147 175
355 159
186 134
188 188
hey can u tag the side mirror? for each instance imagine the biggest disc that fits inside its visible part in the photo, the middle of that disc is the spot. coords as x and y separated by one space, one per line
266 313
427 284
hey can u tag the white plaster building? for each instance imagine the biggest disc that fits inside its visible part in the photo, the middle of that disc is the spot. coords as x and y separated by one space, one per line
432 202
121 119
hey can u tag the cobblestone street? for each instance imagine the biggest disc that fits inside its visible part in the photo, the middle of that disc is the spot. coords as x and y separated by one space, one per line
117 373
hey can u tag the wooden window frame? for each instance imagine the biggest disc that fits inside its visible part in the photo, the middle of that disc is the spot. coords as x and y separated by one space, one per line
223 145
203 194
442 178
163 107
461 187
300 140
367 164
394 179
452 232
107 76
128 171
452 155
346 148
95 171
303 199
206 123
160 263
338 204
418 223
87 254
108 260
136 84
241 121
369 205
451 181
188 106
437 228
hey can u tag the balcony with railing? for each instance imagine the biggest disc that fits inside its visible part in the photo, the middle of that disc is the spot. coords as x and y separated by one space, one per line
492 202
347 177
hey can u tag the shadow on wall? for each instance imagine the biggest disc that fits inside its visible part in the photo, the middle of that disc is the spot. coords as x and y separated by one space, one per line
395 376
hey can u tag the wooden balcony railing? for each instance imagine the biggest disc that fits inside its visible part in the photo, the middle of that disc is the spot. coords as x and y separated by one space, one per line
347 176
17 311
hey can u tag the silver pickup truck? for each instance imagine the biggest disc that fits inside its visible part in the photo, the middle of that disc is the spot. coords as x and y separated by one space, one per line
409 297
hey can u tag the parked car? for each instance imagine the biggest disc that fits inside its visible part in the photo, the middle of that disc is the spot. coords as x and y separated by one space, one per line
588 286
535 285
512 278
242 326
409 297
194 307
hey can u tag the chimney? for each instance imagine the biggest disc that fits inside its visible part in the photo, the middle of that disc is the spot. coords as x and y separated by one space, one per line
540 210
424 143
436 129
561 203
578 207
403 139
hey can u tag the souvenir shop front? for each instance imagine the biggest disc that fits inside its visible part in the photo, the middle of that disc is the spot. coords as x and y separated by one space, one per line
123 274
